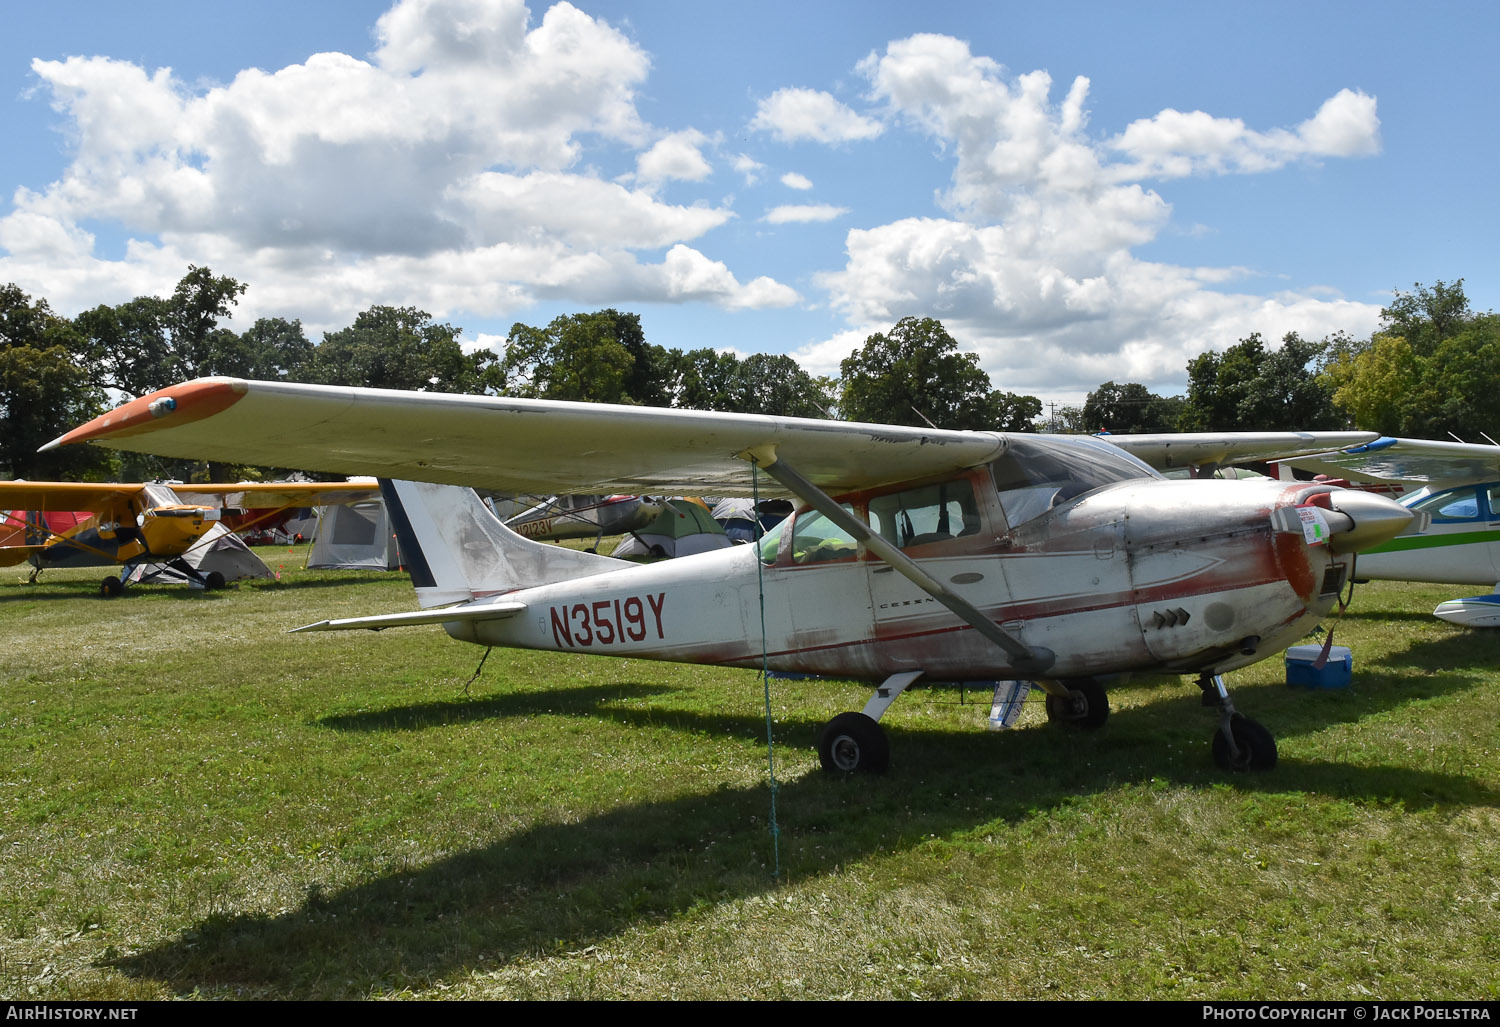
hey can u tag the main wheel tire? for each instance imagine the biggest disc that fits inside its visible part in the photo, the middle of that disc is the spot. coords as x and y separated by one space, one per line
1257 749
852 743
1086 705
214 581
111 587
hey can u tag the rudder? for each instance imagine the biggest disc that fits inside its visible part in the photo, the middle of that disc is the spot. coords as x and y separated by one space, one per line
455 549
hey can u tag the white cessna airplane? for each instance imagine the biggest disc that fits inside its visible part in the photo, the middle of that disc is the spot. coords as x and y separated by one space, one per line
949 555
1457 486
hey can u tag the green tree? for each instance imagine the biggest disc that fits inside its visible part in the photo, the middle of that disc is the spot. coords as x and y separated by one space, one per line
702 379
914 374
601 357
1429 371
399 348
778 386
272 349
149 343
1425 317
1067 420
1251 388
1130 407
44 392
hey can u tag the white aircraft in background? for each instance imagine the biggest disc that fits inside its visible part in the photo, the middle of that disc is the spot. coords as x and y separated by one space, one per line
1457 485
949 555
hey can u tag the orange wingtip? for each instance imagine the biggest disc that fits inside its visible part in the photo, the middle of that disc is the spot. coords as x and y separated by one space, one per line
179 404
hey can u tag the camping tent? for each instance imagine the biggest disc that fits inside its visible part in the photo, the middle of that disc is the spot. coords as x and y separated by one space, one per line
355 536
683 528
219 550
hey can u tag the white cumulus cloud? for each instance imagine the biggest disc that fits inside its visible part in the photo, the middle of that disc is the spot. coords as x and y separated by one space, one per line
793 115
1034 268
442 170
804 212
678 156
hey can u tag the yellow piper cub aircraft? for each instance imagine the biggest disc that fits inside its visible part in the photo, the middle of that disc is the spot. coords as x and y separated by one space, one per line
949 555
143 523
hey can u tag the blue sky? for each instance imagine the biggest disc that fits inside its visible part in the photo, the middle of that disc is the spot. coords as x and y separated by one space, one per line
1081 192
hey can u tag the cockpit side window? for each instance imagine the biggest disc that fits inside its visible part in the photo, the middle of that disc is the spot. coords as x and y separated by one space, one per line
1461 504
816 539
932 513
1039 473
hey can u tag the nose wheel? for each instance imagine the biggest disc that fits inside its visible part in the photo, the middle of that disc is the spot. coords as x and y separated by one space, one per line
1253 748
1240 744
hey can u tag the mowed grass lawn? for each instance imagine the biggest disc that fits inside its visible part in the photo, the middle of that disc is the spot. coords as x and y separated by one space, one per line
195 803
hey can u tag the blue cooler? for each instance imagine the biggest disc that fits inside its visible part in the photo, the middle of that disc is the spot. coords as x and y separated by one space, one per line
1336 673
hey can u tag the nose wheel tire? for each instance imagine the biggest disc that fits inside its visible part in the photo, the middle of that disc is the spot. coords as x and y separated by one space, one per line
852 743
1085 705
1257 749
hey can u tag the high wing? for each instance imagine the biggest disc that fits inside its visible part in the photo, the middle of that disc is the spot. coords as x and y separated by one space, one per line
251 495
1422 460
1215 449
99 498
518 445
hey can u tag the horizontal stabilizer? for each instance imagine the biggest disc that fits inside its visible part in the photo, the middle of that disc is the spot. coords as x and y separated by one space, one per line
476 612
12 555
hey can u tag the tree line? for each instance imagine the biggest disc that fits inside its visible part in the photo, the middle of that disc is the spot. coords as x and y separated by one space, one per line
1429 369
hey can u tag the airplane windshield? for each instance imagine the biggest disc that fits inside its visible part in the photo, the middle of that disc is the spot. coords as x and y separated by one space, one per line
1040 472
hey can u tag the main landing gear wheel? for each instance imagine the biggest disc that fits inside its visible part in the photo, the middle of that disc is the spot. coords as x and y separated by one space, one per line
214 581
1257 749
111 587
852 743
1085 705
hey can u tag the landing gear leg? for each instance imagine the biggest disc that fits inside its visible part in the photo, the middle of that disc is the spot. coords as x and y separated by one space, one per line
854 743
1240 743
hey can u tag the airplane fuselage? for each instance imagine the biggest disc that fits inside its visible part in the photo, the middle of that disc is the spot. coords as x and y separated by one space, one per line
1138 575
1461 546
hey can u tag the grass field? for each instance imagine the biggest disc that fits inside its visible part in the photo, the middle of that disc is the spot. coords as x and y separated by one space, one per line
195 803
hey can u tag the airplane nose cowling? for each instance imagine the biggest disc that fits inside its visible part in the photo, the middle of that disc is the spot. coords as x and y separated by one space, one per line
1360 520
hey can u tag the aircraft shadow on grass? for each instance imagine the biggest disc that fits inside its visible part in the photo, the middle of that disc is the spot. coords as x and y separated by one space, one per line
561 887
582 701
88 590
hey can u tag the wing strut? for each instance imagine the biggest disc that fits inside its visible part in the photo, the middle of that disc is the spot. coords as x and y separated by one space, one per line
1024 659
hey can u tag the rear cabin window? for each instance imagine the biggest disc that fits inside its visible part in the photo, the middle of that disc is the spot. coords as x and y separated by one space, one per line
932 513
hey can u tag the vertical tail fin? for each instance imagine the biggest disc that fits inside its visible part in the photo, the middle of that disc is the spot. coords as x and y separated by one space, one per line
456 549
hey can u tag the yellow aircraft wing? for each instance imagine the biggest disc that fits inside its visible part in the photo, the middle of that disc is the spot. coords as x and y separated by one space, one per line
256 495
517 445
99 498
